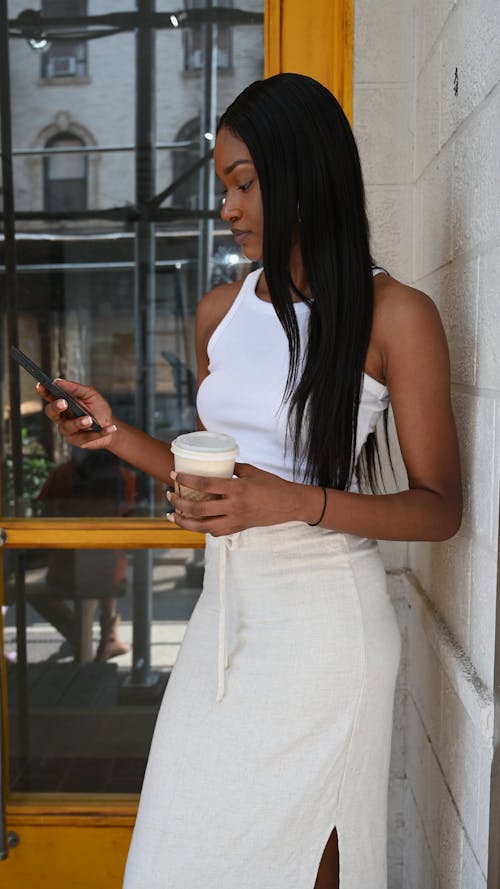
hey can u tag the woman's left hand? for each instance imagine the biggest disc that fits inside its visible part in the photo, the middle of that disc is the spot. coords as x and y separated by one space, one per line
255 498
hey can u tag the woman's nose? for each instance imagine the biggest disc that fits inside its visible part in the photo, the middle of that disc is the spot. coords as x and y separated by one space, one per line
229 210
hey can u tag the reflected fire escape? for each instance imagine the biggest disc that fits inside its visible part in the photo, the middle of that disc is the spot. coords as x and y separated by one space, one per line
148 210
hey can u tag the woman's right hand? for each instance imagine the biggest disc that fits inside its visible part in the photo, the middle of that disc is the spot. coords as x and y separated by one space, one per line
75 429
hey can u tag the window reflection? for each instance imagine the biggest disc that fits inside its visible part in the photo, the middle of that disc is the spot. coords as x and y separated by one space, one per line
78 724
194 51
65 176
80 301
102 628
66 58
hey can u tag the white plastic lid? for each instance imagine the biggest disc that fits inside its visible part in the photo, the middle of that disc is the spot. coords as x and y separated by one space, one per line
211 445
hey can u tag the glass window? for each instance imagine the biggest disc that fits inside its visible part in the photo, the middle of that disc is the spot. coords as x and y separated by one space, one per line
187 193
82 709
64 57
112 258
65 186
194 52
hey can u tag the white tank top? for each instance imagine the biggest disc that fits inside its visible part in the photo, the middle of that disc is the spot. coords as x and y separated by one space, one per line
248 366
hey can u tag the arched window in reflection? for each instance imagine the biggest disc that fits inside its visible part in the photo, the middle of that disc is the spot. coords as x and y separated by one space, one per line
65 176
186 194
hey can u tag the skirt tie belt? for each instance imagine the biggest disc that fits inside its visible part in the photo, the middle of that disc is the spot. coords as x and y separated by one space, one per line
225 544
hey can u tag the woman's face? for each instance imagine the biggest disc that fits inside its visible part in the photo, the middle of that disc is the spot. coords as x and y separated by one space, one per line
242 204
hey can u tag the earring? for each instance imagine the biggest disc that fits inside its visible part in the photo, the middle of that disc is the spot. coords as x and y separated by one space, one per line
299 218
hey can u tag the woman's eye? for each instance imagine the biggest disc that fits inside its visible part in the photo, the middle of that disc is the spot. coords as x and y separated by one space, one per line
245 186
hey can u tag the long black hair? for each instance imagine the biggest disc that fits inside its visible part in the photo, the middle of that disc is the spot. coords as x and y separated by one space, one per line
309 173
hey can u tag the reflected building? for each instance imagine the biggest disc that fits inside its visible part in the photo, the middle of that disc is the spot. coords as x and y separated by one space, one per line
117 236
77 103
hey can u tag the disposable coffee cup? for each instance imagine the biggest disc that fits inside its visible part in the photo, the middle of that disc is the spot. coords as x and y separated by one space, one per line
209 454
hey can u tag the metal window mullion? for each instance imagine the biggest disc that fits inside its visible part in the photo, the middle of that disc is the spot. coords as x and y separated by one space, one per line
144 309
208 119
14 391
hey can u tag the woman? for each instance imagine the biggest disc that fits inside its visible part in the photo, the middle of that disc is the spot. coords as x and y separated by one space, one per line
265 780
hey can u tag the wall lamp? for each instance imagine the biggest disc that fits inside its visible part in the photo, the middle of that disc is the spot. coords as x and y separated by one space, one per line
30 23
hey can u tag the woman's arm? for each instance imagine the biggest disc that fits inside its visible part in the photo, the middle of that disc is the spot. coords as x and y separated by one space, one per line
417 374
415 366
146 453
132 445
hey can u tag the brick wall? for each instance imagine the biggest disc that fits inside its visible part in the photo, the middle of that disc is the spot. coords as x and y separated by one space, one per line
426 101
456 234
382 84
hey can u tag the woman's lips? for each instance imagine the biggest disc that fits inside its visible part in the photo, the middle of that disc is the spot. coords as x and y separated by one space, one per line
239 236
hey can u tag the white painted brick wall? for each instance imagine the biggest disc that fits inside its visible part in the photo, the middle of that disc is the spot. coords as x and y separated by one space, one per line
469 44
382 130
437 224
455 238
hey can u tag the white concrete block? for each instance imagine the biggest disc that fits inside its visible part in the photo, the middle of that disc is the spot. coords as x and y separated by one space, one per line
488 343
407 880
459 757
483 610
470 60
419 864
419 562
395 874
444 569
474 695
389 215
451 838
475 420
395 586
396 824
398 747
428 96
454 289
433 213
432 15
385 26
472 876
476 179
417 763
425 681
394 554
381 126
483 813
460 318
496 473
435 791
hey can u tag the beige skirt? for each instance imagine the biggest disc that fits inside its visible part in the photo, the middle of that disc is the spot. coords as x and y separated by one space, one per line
276 723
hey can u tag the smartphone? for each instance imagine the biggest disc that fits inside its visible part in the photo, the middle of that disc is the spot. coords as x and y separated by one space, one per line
74 407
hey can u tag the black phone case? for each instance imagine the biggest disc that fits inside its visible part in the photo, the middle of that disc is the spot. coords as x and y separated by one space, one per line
73 407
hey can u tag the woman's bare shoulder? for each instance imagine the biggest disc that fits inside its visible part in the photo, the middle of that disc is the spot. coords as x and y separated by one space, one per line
405 321
400 309
394 297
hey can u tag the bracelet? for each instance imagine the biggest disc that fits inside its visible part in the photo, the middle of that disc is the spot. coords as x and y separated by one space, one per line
313 524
